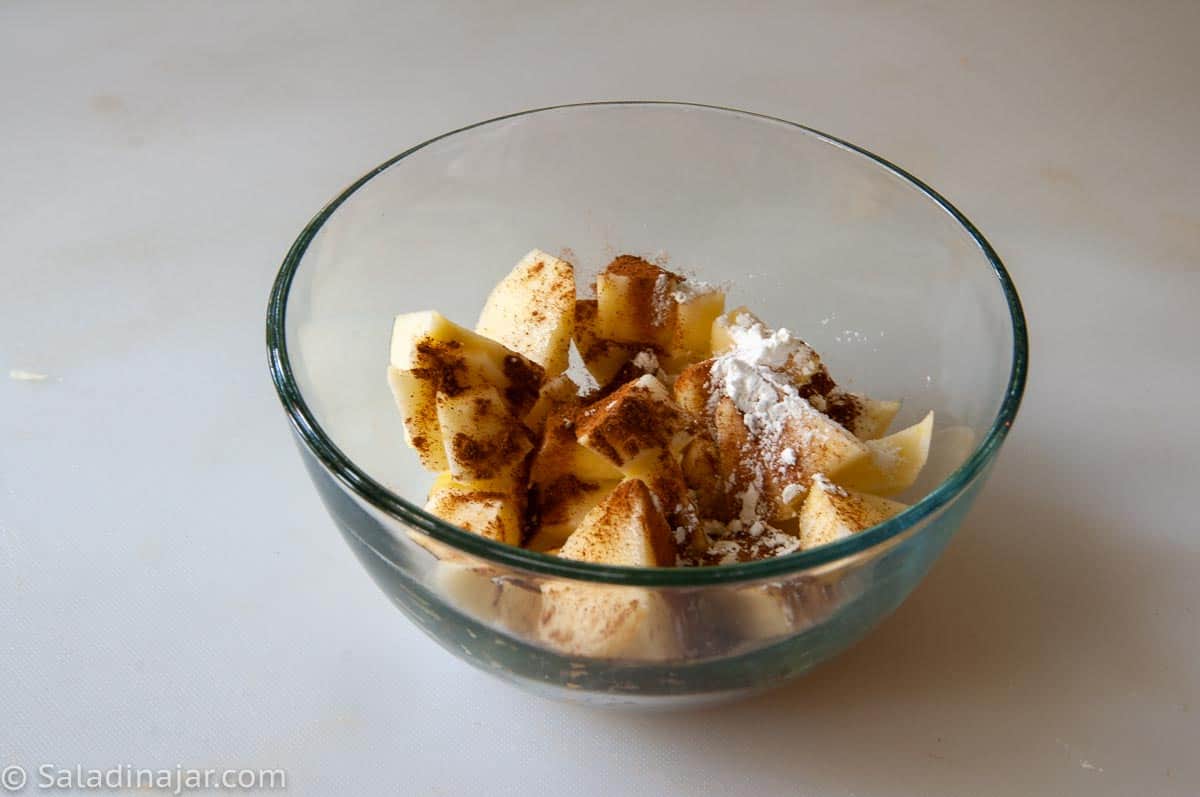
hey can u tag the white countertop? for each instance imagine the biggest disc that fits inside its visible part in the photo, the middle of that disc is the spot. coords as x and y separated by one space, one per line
172 592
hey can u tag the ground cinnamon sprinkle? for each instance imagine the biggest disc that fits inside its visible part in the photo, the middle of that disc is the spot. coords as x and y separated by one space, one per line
554 499
524 381
647 285
629 421
722 448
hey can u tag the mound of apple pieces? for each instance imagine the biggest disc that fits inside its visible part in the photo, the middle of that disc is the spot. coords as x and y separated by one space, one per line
708 438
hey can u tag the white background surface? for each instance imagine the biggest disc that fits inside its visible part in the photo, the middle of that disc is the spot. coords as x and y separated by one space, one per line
172 592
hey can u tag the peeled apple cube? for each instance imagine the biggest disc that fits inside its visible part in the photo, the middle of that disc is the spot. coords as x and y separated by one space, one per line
763 612
560 454
634 303
532 311
561 506
556 391
416 397
874 417
602 357
482 439
483 596
832 513
605 621
492 514
809 443
431 354
637 419
720 338
695 312
626 528
891 464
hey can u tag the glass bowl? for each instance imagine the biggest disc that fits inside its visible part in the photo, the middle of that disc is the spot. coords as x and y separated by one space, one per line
890 283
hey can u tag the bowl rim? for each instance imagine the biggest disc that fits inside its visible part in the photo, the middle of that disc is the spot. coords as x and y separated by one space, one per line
381 498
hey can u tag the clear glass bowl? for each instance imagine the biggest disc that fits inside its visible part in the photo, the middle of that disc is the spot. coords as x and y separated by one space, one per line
891 284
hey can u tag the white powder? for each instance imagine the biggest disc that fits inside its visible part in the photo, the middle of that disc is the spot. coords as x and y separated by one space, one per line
690 289
820 481
779 542
791 492
646 360
759 375
726 549
748 502
750 374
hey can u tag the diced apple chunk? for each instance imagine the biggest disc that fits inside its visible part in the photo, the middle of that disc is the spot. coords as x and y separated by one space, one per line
758 613
809 443
416 397
692 389
874 417
607 622
430 354
891 464
613 622
832 513
694 315
700 464
626 528
492 514
638 417
556 391
635 303
602 357
720 336
560 506
489 598
560 454
483 441
532 310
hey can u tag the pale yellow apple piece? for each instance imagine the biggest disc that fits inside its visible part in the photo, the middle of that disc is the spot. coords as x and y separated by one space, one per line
809 443
695 313
483 595
482 439
608 621
626 528
602 357
561 505
832 513
892 463
634 302
692 389
720 336
532 310
556 391
430 354
874 417
764 612
560 454
416 397
637 418
489 513
700 464
661 472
